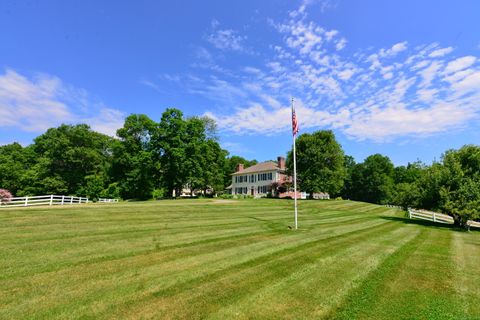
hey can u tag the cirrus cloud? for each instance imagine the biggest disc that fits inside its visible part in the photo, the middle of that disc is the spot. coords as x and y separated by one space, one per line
380 94
34 104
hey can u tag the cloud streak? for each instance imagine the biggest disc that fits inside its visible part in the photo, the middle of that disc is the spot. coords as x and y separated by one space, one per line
43 101
400 91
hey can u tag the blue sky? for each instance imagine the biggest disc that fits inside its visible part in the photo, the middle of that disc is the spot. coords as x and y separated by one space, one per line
401 78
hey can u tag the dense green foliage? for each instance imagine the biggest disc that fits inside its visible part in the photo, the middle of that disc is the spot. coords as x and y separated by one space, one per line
147 160
134 168
372 180
320 163
151 159
213 259
451 185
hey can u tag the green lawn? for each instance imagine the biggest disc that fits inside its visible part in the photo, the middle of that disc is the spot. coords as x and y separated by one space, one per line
192 259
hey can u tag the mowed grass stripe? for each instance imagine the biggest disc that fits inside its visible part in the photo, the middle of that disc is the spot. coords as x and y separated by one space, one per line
273 247
415 282
228 285
325 232
465 274
205 259
103 287
161 240
314 289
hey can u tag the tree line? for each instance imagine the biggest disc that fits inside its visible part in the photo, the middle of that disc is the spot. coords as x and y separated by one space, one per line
148 159
151 159
451 185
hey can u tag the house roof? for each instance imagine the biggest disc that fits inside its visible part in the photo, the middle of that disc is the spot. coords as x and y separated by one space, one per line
259 167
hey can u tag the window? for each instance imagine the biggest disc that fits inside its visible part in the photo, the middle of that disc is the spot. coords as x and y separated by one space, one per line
241 179
265 176
241 190
263 189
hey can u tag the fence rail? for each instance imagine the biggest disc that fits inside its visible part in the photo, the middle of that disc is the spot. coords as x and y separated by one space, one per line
436 217
47 200
107 200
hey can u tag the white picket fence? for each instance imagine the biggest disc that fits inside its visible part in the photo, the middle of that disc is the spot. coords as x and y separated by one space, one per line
436 217
392 206
107 200
48 200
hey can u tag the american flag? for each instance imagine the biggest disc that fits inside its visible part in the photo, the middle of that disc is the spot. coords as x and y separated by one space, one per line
294 122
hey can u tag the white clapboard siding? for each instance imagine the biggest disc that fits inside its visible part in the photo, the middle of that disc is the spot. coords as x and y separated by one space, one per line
47 200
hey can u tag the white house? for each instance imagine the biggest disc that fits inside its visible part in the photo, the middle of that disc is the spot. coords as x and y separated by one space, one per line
257 180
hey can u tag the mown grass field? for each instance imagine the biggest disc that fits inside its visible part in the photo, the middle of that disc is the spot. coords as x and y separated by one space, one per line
196 259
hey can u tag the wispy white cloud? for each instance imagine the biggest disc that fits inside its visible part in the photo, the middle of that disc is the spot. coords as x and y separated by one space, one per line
469 84
440 52
107 121
399 91
341 44
235 147
393 121
225 39
37 103
460 64
396 48
430 73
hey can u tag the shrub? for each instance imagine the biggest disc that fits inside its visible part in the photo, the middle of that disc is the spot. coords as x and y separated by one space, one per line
111 192
225 196
158 193
5 196
242 196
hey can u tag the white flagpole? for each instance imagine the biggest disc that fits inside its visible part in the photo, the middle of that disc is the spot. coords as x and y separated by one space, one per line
295 174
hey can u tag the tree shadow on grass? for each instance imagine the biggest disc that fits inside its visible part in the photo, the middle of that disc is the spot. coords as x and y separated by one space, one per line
420 222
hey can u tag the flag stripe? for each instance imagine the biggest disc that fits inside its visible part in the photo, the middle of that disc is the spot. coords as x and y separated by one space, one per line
294 123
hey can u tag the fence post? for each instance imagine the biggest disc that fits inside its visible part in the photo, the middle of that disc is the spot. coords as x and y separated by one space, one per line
63 199
71 199
434 217
51 199
409 213
79 199
26 201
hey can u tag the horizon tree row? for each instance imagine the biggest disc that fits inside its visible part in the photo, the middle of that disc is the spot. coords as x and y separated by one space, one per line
151 159
451 186
147 159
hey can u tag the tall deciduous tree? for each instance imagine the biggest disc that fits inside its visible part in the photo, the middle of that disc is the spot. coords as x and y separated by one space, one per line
213 157
320 163
67 155
195 140
347 189
372 180
460 190
170 145
134 167
15 164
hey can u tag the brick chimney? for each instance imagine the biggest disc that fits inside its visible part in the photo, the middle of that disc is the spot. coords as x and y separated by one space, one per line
281 163
239 167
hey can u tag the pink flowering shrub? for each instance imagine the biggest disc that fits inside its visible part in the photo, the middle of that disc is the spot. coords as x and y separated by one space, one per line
5 196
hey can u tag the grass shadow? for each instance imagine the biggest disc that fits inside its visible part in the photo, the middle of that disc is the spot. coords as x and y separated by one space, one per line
426 223
420 222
